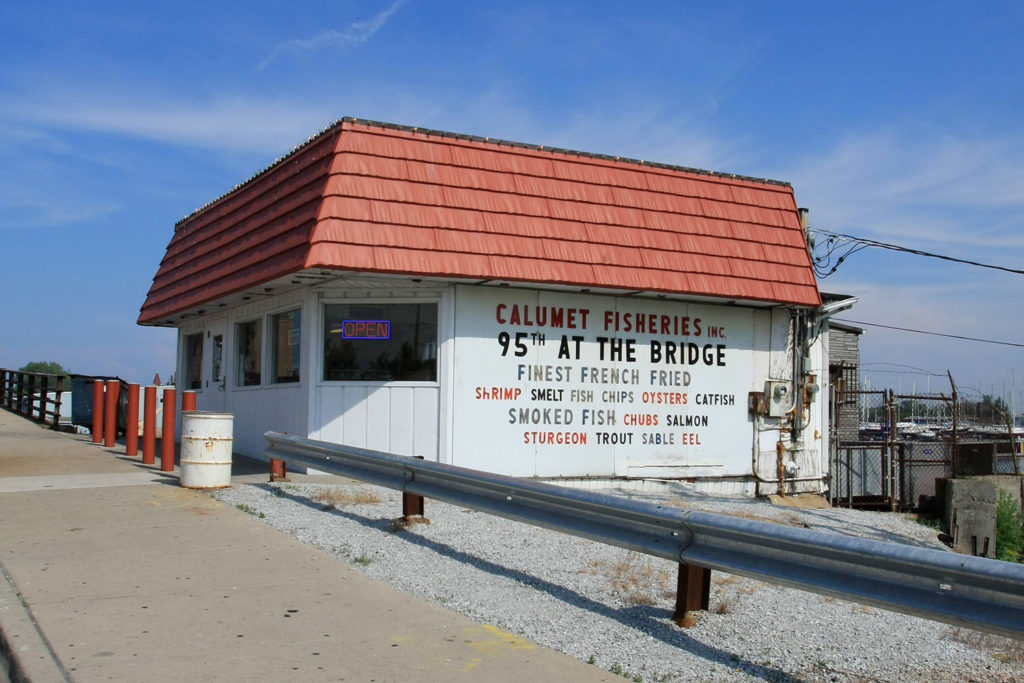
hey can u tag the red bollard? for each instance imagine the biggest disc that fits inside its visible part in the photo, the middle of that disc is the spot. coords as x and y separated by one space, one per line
278 470
149 427
131 434
167 435
97 411
188 400
110 412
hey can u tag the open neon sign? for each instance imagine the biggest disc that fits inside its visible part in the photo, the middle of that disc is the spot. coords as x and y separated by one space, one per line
366 329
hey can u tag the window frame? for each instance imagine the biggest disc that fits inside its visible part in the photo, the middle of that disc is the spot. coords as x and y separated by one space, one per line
272 377
193 371
239 372
321 360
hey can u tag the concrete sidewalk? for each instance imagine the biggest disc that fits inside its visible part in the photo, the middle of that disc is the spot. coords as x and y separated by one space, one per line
113 572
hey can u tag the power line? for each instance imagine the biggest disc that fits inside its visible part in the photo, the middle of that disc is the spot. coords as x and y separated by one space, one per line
858 243
935 334
902 372
917 370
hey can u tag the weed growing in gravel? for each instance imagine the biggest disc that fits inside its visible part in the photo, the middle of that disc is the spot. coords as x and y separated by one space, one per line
250 510
724 605
362 560
1005 650
636 580
335 497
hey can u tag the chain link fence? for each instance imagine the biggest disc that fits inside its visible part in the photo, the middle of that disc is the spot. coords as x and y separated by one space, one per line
891 451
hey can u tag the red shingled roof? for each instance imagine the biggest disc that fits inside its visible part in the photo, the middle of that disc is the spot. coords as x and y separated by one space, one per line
375 198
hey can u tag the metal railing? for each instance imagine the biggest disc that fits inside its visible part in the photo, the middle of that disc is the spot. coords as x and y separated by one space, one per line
975 592
32 394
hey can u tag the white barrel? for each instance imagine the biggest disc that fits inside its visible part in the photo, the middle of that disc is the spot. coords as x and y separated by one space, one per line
206 440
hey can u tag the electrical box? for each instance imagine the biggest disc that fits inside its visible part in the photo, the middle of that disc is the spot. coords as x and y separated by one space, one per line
779 397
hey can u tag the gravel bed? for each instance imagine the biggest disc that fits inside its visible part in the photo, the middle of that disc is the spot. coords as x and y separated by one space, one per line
613 608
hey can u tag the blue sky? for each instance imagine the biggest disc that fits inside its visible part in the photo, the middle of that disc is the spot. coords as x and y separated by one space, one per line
899 122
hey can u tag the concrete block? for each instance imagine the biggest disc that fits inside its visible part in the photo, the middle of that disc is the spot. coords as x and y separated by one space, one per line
971 504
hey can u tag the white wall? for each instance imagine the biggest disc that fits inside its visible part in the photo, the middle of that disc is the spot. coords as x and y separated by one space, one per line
447 420
564 422
394 417
256 409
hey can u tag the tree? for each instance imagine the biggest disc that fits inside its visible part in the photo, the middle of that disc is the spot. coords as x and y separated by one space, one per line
49 368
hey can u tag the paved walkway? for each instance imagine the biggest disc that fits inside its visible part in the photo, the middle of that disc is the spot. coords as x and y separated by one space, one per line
111 571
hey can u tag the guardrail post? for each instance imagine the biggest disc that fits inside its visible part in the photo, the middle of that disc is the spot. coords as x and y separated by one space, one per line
693 592
131 430
110 412
167 433
188 400
412 505
97 411
278 470
149 427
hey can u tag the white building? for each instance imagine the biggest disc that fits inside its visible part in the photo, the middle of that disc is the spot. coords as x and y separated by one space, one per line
506 307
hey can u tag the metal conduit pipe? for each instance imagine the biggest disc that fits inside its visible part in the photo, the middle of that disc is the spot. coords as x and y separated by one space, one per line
758 428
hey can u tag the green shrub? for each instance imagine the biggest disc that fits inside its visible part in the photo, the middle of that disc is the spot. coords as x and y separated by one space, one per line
1009 528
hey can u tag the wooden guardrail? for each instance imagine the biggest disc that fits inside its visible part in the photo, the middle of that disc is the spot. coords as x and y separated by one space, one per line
34 395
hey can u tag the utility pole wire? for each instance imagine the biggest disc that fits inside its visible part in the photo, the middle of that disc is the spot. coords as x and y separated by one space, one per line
895 247
936 334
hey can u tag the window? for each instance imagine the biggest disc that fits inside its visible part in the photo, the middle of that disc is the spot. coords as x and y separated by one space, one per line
250 360
380 342
194 361
217 361
285 348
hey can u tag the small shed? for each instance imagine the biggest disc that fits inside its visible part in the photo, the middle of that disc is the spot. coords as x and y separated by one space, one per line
508 307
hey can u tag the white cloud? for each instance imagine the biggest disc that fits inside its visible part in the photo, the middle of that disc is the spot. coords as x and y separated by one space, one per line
908 185
353 35
236 124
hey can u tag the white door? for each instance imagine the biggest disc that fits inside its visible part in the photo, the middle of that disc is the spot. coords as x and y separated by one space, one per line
215 389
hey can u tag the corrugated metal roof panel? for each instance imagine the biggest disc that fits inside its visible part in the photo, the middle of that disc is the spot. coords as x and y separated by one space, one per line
563 189
687 185
657 201
642 239
374 234
393 191
531 270
494 157
783 291
383 143
531 227
597 213
598 172
495 202
455 176
584 252
341 256
404 201
416 262
376 167
348 208
484 244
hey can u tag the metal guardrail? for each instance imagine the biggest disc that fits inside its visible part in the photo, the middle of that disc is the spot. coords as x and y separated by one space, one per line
975 592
